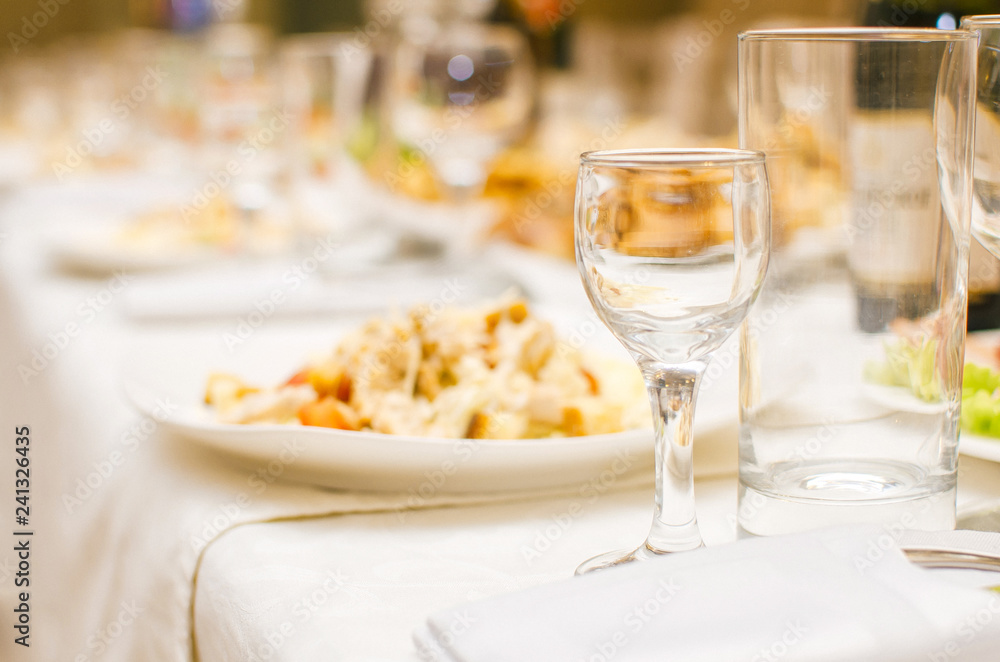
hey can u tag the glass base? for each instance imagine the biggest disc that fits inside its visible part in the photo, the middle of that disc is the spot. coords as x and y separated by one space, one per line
622 556
828 494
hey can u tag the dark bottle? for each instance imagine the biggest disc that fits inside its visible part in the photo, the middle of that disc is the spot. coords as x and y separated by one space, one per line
897 238
984 268
943 14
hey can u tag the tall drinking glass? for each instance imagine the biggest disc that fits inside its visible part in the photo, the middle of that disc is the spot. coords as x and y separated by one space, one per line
672 247
851 362
322 86
240 123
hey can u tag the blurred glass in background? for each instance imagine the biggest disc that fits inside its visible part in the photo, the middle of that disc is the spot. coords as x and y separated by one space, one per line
282 133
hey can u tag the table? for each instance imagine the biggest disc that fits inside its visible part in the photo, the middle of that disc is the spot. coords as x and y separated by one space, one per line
149 548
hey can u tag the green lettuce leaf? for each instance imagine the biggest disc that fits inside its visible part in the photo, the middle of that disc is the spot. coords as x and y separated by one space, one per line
910 365
980 401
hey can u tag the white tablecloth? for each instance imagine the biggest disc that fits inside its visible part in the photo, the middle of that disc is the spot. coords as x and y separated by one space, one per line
149 548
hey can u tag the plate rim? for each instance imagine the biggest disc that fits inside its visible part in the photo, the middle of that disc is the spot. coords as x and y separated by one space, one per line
189 423
145 393
979 442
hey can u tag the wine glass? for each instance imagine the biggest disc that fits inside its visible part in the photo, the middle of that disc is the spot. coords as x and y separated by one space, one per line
986 168
461 95
672 246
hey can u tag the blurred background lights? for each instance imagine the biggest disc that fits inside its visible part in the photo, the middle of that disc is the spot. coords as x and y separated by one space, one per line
946 21
460 67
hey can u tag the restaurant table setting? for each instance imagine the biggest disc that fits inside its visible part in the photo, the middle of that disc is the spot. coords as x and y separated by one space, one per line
199 361
141 505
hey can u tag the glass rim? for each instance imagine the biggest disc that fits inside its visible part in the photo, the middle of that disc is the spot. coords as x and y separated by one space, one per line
981 19
856 34
673 156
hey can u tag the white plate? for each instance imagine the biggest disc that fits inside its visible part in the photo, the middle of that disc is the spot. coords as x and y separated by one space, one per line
901 398
86 239
985 448
83 216
175 372
97 252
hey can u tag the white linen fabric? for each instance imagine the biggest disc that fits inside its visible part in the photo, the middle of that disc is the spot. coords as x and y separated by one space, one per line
396 568
831 595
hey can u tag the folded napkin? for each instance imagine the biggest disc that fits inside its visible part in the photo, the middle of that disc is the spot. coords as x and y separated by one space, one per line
833 595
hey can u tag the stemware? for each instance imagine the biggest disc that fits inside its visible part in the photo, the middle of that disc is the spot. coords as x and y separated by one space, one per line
672 247
460 95
986 168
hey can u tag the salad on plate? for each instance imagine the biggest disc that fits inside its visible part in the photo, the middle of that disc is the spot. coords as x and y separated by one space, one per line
492 371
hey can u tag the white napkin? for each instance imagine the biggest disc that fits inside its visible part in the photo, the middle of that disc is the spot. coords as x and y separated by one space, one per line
837 594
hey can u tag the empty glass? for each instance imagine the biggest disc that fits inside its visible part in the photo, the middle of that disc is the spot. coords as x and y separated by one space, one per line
322 85
672 246
240 122
460 95
851 362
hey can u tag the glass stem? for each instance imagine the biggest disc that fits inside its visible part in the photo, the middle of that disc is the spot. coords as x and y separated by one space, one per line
672 392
